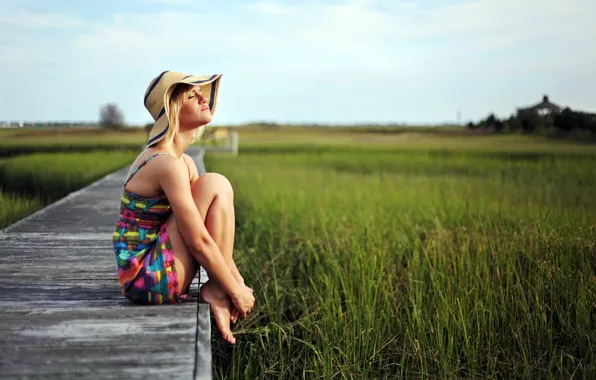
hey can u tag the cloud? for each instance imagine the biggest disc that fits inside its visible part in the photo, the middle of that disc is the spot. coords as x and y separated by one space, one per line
308 34
311 51
181 3
29 20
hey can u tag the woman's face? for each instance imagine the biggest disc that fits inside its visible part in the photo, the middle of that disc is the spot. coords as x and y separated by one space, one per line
195 110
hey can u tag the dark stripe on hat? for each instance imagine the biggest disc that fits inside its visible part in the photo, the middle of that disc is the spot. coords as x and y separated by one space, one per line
188 76
212 96
163 110
159 135
153 86
203 81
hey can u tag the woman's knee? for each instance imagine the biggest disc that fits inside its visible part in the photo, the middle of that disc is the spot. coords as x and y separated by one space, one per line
213 185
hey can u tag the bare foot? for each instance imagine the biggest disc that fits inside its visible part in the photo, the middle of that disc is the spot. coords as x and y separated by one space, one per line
221 307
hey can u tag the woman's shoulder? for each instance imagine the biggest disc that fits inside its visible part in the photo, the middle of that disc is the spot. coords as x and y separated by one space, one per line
156 160
193 173
188 159
148 171
165 161
156 155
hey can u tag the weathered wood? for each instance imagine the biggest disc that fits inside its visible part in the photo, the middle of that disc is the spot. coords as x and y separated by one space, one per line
61 311
198 158
230 145
203 357
98 342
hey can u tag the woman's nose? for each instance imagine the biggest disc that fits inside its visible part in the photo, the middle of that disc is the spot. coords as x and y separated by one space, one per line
202 99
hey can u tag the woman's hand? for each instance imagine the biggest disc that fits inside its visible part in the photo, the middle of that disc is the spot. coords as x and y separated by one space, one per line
244 300
235 314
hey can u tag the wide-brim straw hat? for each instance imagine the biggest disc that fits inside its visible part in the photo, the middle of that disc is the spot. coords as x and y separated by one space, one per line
158 95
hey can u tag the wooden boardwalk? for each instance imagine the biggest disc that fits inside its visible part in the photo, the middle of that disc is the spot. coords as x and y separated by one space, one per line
61 311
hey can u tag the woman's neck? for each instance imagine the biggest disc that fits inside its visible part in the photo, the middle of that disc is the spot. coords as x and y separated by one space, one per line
180 143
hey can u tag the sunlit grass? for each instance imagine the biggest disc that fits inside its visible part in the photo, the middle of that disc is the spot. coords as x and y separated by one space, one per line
14 146
383 265
31 181
15 207
25 141
387 256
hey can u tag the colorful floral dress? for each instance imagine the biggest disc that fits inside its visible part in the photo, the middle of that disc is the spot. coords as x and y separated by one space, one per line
146 265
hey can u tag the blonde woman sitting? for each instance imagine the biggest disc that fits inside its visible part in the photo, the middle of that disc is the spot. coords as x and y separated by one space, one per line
171 220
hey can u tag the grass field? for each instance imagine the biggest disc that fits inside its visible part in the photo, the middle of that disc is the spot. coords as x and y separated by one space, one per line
379 255
29 182
14 207
377 263
27 141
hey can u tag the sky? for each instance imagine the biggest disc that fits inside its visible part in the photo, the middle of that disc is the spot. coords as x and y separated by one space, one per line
326 62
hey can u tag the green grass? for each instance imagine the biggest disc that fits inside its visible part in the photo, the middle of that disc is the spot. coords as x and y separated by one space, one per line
29 182
377 255
15 207
386 264
22 141
34 141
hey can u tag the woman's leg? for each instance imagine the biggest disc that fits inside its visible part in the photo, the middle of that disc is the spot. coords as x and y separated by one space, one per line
213 196
186 265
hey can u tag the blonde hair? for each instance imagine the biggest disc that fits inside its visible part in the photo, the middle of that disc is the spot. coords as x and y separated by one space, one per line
173 107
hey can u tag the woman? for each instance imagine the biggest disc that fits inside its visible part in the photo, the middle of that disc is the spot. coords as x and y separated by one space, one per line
171 219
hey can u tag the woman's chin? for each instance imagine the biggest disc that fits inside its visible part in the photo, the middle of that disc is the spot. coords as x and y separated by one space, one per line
206 119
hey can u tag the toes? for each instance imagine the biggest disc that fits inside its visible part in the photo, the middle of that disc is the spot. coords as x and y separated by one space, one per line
228 336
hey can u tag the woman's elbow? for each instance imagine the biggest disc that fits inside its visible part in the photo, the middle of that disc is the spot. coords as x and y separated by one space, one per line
201 246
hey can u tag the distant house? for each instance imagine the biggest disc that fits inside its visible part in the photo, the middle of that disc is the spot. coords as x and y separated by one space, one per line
545 107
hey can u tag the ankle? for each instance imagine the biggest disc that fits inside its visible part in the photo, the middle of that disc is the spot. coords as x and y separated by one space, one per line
213 288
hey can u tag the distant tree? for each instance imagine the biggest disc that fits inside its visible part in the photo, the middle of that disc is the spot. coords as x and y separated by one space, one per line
529 120
591 126
565 120
111 117
568 120
499 125
471 125
491 120
513 124
585 121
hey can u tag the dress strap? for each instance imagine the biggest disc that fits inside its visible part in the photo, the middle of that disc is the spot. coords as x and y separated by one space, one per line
141 165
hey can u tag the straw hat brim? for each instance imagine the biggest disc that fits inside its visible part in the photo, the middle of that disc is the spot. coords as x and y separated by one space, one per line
165 84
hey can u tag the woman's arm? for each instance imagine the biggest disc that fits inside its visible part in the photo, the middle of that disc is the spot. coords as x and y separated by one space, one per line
172 175
236 273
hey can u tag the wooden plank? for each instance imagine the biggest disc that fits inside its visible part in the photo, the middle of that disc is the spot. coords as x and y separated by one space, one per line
203 357
197 155
106 342
61 311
